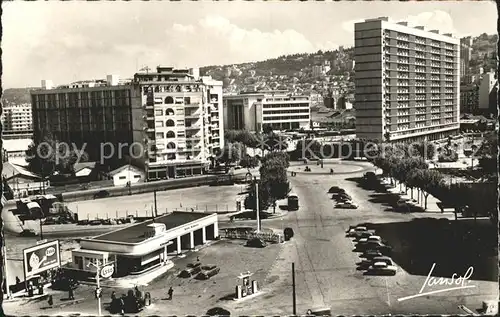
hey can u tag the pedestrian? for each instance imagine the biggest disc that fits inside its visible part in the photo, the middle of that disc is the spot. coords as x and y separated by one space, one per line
18 281
122 306
50 301
71 293
197 259
113 296
170 293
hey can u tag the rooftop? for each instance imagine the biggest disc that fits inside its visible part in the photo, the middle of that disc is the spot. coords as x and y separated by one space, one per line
135 233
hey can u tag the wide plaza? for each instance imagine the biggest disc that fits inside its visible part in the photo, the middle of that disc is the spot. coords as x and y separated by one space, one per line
325 264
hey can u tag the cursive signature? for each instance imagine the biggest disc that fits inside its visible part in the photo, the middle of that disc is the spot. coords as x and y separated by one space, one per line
455 282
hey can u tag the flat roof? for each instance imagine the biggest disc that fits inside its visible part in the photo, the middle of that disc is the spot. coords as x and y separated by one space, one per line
135 233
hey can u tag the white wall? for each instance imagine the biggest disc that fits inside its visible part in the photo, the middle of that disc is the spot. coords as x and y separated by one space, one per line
125 176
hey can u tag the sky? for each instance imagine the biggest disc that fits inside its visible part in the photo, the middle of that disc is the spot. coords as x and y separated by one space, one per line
70 41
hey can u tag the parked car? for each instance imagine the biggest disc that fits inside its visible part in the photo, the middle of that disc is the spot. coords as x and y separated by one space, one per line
371 245
190 271
28 233
359 231
101 194
95 222
370 238
342 199
341 195
288 233
347 205
370 254
256 243
321 311
207 271
381 268
336 190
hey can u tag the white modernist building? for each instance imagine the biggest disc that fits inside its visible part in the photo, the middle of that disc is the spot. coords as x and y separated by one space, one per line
146 245
280 109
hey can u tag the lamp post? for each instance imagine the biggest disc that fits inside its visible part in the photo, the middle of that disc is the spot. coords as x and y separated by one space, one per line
97 265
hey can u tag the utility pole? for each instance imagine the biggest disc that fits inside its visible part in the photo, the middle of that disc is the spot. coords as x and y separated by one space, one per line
293 290
156 207
98 279
257 205
5 266
41 230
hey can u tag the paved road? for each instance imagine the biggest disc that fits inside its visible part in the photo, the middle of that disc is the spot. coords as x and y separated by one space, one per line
326 273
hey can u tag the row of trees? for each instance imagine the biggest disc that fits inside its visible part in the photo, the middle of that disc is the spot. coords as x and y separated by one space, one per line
412 172
273 184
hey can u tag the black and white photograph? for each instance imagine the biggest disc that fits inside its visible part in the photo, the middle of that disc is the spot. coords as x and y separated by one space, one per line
249 158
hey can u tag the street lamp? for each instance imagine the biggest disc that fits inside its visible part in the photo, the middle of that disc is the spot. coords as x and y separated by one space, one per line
97 265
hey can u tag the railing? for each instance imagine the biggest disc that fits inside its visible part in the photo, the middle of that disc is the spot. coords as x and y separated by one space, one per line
268 237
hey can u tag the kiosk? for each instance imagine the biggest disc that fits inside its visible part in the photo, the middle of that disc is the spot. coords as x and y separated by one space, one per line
246 287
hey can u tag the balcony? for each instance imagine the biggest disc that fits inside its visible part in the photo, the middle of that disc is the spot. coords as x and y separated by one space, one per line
193 127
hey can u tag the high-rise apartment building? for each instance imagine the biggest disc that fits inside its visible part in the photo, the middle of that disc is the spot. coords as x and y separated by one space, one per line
182 121
16 119
280 109
465 56
166 122
407 82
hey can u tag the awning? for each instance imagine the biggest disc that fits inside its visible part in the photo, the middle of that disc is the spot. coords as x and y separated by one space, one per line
50 196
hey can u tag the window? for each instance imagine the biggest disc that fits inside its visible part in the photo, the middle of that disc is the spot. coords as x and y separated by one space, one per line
170 123
170 134
159 135
169 100
158 112
170 145
159 124
169 112
122 177
137 176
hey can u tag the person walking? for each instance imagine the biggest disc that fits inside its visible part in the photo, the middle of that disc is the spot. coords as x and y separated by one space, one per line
122 306
113 296
18 280
50 301
71 293
170 293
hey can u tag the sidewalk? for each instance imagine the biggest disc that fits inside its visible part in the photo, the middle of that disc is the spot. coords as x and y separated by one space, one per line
432 201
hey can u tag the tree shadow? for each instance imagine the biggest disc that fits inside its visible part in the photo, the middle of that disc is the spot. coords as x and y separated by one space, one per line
376 186
454 246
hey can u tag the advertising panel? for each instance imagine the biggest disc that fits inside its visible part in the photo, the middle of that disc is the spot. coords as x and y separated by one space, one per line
40 258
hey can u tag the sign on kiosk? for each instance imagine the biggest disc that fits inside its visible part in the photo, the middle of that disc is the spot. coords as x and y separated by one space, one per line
107 271
41 258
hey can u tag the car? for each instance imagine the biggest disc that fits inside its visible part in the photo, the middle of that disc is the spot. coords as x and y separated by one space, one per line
288 233
335 190
256 243
190 271
372 245
28 233
359 231
381 268
347 205
322 311
95 222
341 195
207 271
342 199
101 194
371 238
370 254
386 259
192 265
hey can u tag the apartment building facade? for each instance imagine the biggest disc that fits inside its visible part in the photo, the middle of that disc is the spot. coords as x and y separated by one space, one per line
17 120
280 109
488 94
407 82
166 122
88 114
182 122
